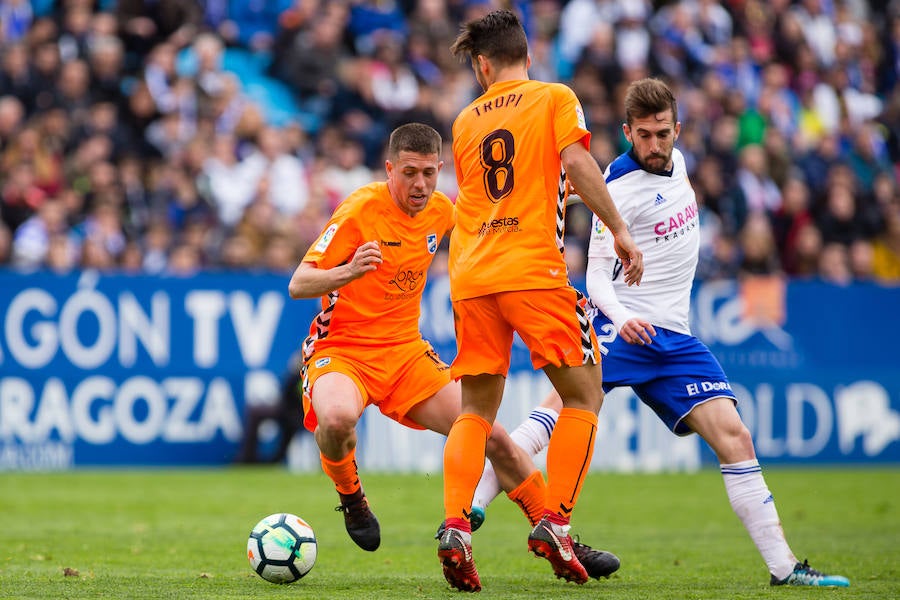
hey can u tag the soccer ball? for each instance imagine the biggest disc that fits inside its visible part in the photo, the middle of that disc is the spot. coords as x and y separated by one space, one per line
282 548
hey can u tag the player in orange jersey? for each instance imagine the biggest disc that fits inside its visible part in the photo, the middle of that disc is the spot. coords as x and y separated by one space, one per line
514 147
369 267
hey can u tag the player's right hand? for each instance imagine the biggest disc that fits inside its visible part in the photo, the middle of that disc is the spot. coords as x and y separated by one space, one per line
366 258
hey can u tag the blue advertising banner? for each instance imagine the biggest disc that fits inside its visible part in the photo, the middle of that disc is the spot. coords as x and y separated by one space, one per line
121 370
100 370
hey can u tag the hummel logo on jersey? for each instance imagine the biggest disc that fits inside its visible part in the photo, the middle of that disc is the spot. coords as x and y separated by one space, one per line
659 199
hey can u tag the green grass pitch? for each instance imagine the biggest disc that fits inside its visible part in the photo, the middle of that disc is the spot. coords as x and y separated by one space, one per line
182 534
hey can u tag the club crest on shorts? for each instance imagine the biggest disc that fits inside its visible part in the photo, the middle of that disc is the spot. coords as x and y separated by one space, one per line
431 239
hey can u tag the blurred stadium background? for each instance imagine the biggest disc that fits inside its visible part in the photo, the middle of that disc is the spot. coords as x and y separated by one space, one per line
164 164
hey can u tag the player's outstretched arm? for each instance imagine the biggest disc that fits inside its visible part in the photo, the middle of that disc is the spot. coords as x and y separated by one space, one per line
631 327
309 281
587 179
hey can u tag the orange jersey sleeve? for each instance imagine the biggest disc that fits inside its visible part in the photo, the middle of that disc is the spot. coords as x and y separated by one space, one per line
382 306
511 203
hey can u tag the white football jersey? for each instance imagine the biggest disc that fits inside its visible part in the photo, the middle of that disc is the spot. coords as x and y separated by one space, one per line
662 216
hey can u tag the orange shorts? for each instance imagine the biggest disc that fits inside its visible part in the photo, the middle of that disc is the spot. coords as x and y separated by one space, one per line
394 379
552 323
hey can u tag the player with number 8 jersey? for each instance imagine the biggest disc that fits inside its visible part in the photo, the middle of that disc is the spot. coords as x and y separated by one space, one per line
513 148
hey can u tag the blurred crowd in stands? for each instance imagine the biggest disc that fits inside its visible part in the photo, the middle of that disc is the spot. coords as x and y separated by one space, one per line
169 136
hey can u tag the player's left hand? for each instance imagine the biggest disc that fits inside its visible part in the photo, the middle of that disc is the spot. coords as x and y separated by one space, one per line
631 256
637 331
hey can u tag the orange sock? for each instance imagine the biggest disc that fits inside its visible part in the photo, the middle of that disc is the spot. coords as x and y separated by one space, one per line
530 495
568 459
342 472
463 465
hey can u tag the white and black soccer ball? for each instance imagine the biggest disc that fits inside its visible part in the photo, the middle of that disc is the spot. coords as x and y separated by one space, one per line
282 548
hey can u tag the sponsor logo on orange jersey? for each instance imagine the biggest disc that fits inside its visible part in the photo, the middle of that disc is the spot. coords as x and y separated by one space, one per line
499 225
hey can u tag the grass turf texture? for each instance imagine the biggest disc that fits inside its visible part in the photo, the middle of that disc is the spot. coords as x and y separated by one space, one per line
182 534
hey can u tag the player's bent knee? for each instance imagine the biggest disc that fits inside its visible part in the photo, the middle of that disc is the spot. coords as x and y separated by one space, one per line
336 424
500 448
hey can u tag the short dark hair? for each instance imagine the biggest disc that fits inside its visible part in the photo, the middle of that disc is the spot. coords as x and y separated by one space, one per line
414 137
649 96
498 36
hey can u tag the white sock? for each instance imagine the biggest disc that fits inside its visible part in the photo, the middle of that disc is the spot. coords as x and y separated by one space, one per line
755 506
532 435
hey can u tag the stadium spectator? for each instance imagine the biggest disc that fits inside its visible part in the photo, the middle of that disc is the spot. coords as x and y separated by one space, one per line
31 241
160 76
131 260
861 256
802 253
281 254
229 190
834 264
184 260
277 175
759 253
74 33
144 24
840 220
20 195
346 171
106 60
253 25
758 190
238 253
94 255
390 84
12 115
103 226
306 54
886 248
16 17
208 51
157 242
46 67
16 78
371 20
62 253
795 212
29 147
73 89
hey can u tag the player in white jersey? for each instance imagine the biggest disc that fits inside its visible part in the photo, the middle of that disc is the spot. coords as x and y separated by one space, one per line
644 333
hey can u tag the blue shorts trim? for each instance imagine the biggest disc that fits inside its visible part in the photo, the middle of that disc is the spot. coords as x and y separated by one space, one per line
672 375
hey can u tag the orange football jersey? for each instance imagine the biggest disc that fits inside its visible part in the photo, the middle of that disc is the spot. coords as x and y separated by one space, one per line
383 306
511 204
